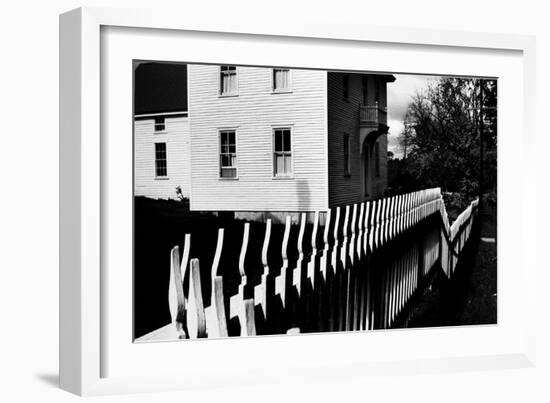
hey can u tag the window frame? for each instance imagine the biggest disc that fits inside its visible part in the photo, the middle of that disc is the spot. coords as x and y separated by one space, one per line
219 152
364 90
377 159
289 175
347 156
155 124
345 86
222 94
289 80
165 176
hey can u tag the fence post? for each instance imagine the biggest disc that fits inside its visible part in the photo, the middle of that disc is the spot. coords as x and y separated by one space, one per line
297 272
352 258
311 263
312 290
280 281
365 320
176 297
216 323
261 290
196 320
239 306
334 286
324 289
324 256
358 271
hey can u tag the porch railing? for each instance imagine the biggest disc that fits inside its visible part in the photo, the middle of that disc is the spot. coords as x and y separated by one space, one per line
372 115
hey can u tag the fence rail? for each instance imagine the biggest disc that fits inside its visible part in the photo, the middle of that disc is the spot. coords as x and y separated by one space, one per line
359 268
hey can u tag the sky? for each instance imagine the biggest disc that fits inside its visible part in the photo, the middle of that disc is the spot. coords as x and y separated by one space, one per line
400 93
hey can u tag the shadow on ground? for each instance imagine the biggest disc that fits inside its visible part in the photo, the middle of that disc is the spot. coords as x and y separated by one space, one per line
470 298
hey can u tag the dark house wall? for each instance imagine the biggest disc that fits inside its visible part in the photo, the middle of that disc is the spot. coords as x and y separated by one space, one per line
159 87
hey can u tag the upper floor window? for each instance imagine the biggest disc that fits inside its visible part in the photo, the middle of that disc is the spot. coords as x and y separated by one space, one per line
228 154
282 152
281 80
377 158
160 124
228 80
364 89
347 162
345 86
161 169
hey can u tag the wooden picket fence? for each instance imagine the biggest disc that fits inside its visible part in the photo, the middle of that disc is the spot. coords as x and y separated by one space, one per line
360 270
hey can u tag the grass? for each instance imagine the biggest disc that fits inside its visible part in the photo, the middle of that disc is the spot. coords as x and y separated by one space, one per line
470 297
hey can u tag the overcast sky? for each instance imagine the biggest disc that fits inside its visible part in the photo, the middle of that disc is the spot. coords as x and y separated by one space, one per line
400 93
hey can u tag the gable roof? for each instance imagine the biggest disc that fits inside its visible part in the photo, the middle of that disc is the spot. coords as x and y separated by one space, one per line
159 87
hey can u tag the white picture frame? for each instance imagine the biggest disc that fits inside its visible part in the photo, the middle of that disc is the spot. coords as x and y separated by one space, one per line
84 305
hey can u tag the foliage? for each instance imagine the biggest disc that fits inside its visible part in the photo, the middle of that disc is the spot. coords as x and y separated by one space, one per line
441 139
455 203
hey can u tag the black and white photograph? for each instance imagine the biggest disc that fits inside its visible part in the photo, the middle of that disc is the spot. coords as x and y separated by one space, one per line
274 200
213 201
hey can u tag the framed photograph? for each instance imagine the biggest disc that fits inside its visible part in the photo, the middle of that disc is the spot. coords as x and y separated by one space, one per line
245 203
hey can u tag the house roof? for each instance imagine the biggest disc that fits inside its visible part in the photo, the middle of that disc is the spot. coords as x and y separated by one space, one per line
159 87
389 78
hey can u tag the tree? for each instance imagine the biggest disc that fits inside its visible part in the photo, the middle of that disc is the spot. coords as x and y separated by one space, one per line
441 139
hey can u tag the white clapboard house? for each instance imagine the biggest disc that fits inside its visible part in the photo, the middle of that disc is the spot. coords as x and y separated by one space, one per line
162 159
256 139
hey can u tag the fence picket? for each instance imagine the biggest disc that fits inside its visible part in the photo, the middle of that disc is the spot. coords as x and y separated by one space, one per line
352 257
365 270
261 290
239 305
334 254
176 297
324 286
311 263
297 272
196 320
312 292
216 324
280 280
325 253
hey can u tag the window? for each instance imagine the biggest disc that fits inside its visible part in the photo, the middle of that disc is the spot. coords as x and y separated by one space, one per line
160 124
160 160
228 154
364 87
345 85
282 152
366 169
347 169
377 159
281 80
228 80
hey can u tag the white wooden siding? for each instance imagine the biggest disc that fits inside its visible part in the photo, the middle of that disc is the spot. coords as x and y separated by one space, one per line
176 137
253 114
